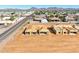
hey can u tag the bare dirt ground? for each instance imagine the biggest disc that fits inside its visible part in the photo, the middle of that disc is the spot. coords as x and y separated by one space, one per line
41 43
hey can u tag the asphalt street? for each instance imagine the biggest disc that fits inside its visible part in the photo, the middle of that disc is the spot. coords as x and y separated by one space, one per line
5 34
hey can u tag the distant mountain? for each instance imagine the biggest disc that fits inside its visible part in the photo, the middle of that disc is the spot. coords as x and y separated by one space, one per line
36 9
53 8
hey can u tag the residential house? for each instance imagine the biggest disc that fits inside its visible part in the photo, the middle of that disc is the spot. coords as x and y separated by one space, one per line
71 18
54 19
38 18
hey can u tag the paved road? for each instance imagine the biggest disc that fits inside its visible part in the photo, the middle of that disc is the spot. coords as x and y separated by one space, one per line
10 30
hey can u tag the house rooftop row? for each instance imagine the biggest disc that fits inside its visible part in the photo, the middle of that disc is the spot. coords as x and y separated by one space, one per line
65 29
32 29
68 18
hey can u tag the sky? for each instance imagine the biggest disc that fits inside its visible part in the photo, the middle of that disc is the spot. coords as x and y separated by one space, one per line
37 6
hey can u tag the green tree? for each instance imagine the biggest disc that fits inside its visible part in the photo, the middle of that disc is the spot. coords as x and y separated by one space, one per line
12 18
1 17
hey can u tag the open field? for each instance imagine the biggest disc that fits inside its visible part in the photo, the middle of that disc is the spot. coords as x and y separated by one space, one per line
41 43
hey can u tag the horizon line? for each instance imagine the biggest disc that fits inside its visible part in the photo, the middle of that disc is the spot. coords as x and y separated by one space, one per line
37 6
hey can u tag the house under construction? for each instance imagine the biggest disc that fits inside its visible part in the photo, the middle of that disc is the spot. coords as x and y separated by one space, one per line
43 31
64 29
30 30
33 30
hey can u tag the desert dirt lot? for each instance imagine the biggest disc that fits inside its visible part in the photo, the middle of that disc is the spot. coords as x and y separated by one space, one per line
42 43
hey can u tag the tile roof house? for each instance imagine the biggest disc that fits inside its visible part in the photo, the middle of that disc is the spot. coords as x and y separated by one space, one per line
38 18
54 19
